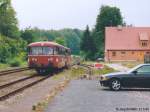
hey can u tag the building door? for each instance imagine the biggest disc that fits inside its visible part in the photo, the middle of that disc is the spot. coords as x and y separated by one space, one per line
141 56
147 57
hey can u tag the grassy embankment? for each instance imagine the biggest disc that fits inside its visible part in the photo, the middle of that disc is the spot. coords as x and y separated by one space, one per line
78 71
12 64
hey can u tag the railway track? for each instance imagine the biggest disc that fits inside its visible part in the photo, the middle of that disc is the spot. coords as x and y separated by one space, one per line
16 81
6 72
12 88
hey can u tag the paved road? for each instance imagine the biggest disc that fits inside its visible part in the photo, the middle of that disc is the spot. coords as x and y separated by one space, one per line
88 96
118 67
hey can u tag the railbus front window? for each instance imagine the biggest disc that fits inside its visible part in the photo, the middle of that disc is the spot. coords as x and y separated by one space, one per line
41 51
47 51
36 50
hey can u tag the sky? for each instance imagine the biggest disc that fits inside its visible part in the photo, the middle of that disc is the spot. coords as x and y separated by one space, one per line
58 14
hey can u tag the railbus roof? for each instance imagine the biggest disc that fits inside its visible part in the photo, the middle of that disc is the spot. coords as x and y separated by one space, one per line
47 44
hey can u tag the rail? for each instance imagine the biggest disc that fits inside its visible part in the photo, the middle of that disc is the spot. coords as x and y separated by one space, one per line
6 72
14 92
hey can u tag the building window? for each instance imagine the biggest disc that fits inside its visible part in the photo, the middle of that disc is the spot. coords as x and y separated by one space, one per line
147 52
144 43
132 52
113 53
123 52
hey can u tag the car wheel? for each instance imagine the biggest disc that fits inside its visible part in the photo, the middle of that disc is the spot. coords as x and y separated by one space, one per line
115 84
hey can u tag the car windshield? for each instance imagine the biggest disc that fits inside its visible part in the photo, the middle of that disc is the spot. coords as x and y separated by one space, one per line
134 68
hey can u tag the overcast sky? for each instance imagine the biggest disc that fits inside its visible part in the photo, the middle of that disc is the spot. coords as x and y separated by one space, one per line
58 14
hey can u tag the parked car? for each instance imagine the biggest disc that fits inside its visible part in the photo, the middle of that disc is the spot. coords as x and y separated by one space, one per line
138 76
100 59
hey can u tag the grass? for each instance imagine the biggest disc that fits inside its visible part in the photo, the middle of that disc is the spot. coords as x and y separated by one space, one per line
71 73
91 62
4 66
78 71
9 66
105 70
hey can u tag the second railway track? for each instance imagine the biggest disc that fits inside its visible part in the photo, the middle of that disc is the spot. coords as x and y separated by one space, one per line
6 72
17 86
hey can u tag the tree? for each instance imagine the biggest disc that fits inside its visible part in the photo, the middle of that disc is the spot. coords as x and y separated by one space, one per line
67 37
87 44
11 48
108 16
28 36
60 40
8 21
72 39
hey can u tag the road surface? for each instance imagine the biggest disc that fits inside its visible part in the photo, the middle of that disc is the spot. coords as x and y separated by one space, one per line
89 96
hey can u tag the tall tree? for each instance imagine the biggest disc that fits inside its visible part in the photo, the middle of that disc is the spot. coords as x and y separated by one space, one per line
108 16
27 35
60 40
8 21
67 37
87 44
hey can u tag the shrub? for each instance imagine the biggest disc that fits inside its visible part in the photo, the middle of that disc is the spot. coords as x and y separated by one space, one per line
11 48
15 62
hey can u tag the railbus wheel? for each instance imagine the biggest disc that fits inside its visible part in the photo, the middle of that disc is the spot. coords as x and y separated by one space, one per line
41 71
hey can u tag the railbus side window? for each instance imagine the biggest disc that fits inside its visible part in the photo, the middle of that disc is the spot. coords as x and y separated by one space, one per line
64 51
60 51
67 52
56 50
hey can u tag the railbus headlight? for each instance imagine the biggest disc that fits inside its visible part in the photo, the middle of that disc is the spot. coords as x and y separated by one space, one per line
57 60
32 59
35 59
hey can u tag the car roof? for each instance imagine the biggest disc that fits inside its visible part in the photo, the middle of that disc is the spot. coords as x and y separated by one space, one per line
145 64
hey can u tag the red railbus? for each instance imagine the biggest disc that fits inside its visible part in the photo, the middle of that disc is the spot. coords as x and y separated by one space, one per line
47 56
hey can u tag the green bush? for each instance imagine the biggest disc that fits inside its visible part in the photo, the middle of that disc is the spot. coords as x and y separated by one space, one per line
12 48
15 62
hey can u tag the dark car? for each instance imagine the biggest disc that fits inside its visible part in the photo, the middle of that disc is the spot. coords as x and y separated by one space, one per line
139 76
100 59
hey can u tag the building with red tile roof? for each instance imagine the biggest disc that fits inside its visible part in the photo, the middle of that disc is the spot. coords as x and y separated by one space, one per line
126 43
